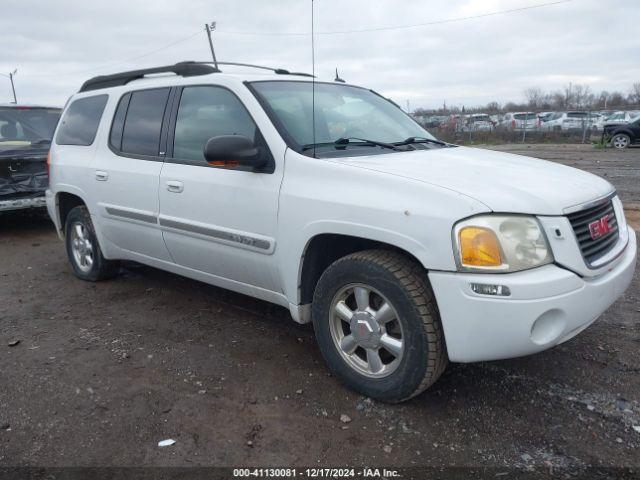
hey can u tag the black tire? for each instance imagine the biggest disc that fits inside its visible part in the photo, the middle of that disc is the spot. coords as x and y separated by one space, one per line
405 285
100 268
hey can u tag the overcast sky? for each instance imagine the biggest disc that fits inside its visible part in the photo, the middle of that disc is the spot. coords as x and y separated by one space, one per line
57 45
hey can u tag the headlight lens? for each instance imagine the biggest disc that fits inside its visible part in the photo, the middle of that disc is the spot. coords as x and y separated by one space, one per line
504 243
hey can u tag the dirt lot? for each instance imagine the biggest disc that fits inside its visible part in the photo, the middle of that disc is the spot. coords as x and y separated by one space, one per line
105 371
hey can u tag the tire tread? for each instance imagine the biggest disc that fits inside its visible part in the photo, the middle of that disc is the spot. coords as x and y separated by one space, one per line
412 276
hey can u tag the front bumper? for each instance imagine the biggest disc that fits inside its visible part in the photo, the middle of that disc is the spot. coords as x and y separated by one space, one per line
22 203
548 306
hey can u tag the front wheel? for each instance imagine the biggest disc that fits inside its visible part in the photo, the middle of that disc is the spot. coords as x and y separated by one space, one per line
83 250
620 141
378 326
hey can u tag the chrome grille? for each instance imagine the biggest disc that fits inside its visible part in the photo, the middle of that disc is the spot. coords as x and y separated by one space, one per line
592 249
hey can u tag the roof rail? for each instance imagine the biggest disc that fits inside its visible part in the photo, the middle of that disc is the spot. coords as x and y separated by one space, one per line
279 71
184 69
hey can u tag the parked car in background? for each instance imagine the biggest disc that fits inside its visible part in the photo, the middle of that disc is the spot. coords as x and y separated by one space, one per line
431 121
623 135
25 137
596 120
404 251
572 120
519 121
477 122
544 116
621 117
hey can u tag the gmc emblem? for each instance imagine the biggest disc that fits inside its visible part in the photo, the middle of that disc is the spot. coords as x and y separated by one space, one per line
599 228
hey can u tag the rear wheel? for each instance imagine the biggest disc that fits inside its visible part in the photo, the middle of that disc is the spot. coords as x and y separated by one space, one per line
377 325
621 141
83 250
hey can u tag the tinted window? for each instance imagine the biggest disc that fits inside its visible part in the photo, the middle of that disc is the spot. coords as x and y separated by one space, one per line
206 112
80 121
115 139
26 125
143 122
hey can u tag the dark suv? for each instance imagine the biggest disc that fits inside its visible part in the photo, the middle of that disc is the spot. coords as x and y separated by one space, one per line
25 137
622 135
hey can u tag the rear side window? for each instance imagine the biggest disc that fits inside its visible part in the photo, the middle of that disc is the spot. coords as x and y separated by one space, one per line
142 122
115 137
80 121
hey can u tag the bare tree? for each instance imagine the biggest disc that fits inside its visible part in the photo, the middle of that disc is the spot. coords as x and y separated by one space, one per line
634 94
493 107
616 100
535 97
567 96
582 96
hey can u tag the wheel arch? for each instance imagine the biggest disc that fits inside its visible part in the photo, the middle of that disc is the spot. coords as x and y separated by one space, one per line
65 202
623 131
322 249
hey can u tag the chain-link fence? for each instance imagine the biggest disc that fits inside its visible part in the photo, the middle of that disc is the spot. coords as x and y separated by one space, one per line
570 127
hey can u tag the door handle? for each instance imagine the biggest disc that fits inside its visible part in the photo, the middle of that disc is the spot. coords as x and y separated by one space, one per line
102 176
174 186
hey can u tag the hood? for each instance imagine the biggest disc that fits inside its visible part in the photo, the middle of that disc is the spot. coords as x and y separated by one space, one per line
503 182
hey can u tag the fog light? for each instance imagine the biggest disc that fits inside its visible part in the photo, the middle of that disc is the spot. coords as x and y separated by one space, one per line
485 289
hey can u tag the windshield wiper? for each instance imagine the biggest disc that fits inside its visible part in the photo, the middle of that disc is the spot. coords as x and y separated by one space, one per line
364 142
343 142
411 140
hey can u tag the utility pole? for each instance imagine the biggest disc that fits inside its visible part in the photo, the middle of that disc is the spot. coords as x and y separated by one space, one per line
13 88
210 28
408 107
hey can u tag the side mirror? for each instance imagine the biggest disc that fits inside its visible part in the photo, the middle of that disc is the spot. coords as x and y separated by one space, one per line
233 151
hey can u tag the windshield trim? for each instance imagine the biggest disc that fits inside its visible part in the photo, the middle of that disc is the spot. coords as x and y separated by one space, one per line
288 139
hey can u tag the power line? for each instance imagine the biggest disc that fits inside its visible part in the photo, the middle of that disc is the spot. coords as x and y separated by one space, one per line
398 27
123 62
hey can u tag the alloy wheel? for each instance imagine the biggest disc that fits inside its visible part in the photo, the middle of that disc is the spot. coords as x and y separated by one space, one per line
366 330
620 141
82 247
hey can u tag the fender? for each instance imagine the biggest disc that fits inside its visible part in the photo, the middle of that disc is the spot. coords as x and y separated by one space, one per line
294 258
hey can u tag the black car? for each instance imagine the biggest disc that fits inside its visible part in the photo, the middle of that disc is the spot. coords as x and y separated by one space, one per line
622 135
25 137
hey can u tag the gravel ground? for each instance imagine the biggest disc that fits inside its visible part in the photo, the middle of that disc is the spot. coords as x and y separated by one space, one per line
103 372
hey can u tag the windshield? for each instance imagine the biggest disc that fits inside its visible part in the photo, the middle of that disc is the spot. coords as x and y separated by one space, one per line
24 126
341 112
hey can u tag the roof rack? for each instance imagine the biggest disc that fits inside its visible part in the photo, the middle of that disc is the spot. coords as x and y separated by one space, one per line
279 71
184 69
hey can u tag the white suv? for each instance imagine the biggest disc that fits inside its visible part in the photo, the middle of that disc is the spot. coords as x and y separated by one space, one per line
404 251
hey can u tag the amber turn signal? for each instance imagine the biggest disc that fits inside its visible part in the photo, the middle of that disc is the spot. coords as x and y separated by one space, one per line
479 247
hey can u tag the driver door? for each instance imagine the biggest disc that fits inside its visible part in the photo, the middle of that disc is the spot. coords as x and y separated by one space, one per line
216 219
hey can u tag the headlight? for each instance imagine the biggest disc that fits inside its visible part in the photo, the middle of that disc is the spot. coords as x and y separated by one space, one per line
500 243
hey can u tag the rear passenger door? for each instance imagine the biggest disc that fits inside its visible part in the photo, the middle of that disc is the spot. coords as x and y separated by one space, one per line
216 219
125 175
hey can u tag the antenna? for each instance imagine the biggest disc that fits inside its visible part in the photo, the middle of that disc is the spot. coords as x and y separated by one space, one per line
313 81
338 79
